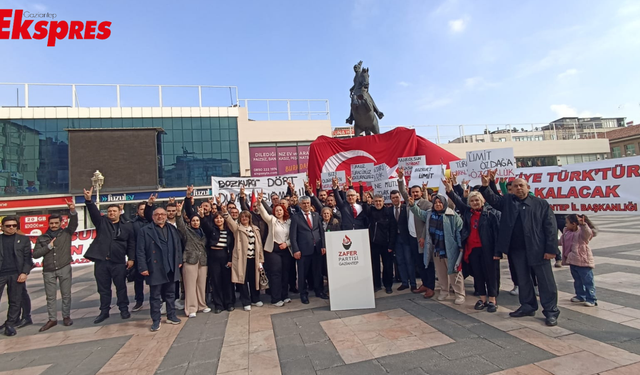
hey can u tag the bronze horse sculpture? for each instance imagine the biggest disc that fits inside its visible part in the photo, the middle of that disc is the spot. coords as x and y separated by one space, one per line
364 111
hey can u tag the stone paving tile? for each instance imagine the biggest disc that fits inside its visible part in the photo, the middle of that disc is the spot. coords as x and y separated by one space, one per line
524 370
581 363
550 344
619 356
37 370
625 370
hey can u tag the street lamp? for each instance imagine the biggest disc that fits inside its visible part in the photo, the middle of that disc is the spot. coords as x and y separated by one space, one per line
97 181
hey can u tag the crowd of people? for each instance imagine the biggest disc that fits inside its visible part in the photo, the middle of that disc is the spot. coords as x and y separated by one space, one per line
204 258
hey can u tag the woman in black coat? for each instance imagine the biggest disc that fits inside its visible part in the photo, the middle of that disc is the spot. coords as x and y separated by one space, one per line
382 236
220 242
479 235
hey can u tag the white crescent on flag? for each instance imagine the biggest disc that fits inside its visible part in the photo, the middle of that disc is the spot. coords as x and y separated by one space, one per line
335 160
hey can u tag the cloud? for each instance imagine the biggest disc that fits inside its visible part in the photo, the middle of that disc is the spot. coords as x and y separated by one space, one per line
478 83
567 73
563 110
430 103
404 84
459 25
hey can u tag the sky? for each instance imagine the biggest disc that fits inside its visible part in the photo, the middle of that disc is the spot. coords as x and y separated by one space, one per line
454 62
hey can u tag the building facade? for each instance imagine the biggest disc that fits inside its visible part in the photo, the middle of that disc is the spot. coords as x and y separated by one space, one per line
625 141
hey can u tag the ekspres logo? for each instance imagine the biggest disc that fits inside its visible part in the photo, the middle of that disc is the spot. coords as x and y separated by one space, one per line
51 30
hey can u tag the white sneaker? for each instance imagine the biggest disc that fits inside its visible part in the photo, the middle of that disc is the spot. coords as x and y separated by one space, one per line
442 296
258 304
179 304
535 289
206 310
515 291
589 304
279 304
287 300
459 300
576 299
247 308
192 315
558 264
163 309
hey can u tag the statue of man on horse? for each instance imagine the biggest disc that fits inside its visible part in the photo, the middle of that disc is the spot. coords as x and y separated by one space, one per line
363 108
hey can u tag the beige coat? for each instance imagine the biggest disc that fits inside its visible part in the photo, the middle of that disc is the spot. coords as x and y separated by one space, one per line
239 257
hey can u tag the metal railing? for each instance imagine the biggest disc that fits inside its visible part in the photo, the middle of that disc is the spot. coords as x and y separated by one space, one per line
483 133
287 109
76 103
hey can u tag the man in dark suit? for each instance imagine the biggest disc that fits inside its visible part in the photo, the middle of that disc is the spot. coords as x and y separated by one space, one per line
15 265
159 254
113 252
308 247
406 266
354 214
529 235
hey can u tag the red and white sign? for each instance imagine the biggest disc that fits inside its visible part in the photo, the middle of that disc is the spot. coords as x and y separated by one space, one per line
605 187
13 204
343 132
35 225
331 154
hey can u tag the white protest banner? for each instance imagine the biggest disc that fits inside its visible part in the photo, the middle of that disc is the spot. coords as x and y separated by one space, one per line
384 187
380 172
601 187
327 177
267 184
480 161
410 162
459 167
362 172
426 174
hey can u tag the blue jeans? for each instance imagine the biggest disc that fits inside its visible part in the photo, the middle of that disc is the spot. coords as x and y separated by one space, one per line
406 266
583 283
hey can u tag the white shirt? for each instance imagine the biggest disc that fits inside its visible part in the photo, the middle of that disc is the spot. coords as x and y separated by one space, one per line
412 224
280 231
358 208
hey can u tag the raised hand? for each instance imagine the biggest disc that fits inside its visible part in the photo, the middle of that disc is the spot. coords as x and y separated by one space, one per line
152 199
454 178
349 180
425 186
172 200
200 211
492 174
580 219
307 187
242 194
189 191
335 183
121 207
466 192
232 197
219 199
318 184
71 205
448 185
211 201
88 193
179 206
465 182
223 208
400 172
260 196
410 201
485 178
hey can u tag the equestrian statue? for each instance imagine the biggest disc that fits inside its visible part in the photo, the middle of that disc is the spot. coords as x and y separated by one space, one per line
363 108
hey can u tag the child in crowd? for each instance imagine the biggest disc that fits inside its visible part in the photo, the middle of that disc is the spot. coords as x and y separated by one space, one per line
577 254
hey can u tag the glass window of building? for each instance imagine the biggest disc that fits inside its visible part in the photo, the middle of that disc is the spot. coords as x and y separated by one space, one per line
616 152
192 150
630 150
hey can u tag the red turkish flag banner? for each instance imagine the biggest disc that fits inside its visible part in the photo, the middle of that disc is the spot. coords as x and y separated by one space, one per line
330 154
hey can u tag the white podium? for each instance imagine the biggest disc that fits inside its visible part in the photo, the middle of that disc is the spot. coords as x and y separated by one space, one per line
349 269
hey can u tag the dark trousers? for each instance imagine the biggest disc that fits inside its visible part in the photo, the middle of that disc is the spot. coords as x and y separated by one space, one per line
483 269
105 273
310 264
382 252
14 292
25 305
277 264
546 284
248 292
293 279
138 286
514 272
163 292
427 274
220 279
406 266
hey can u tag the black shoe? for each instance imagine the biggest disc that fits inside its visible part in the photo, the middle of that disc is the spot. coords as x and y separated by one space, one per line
520 313
125 314
24 323
230 308
479 305
551 321
217 311
304 299
174 320
322 295
293 290
377 288
9 331
491 307
101 318
403 287
2 326
388 290
137 307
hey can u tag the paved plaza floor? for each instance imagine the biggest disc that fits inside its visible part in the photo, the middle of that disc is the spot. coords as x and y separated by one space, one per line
404 334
